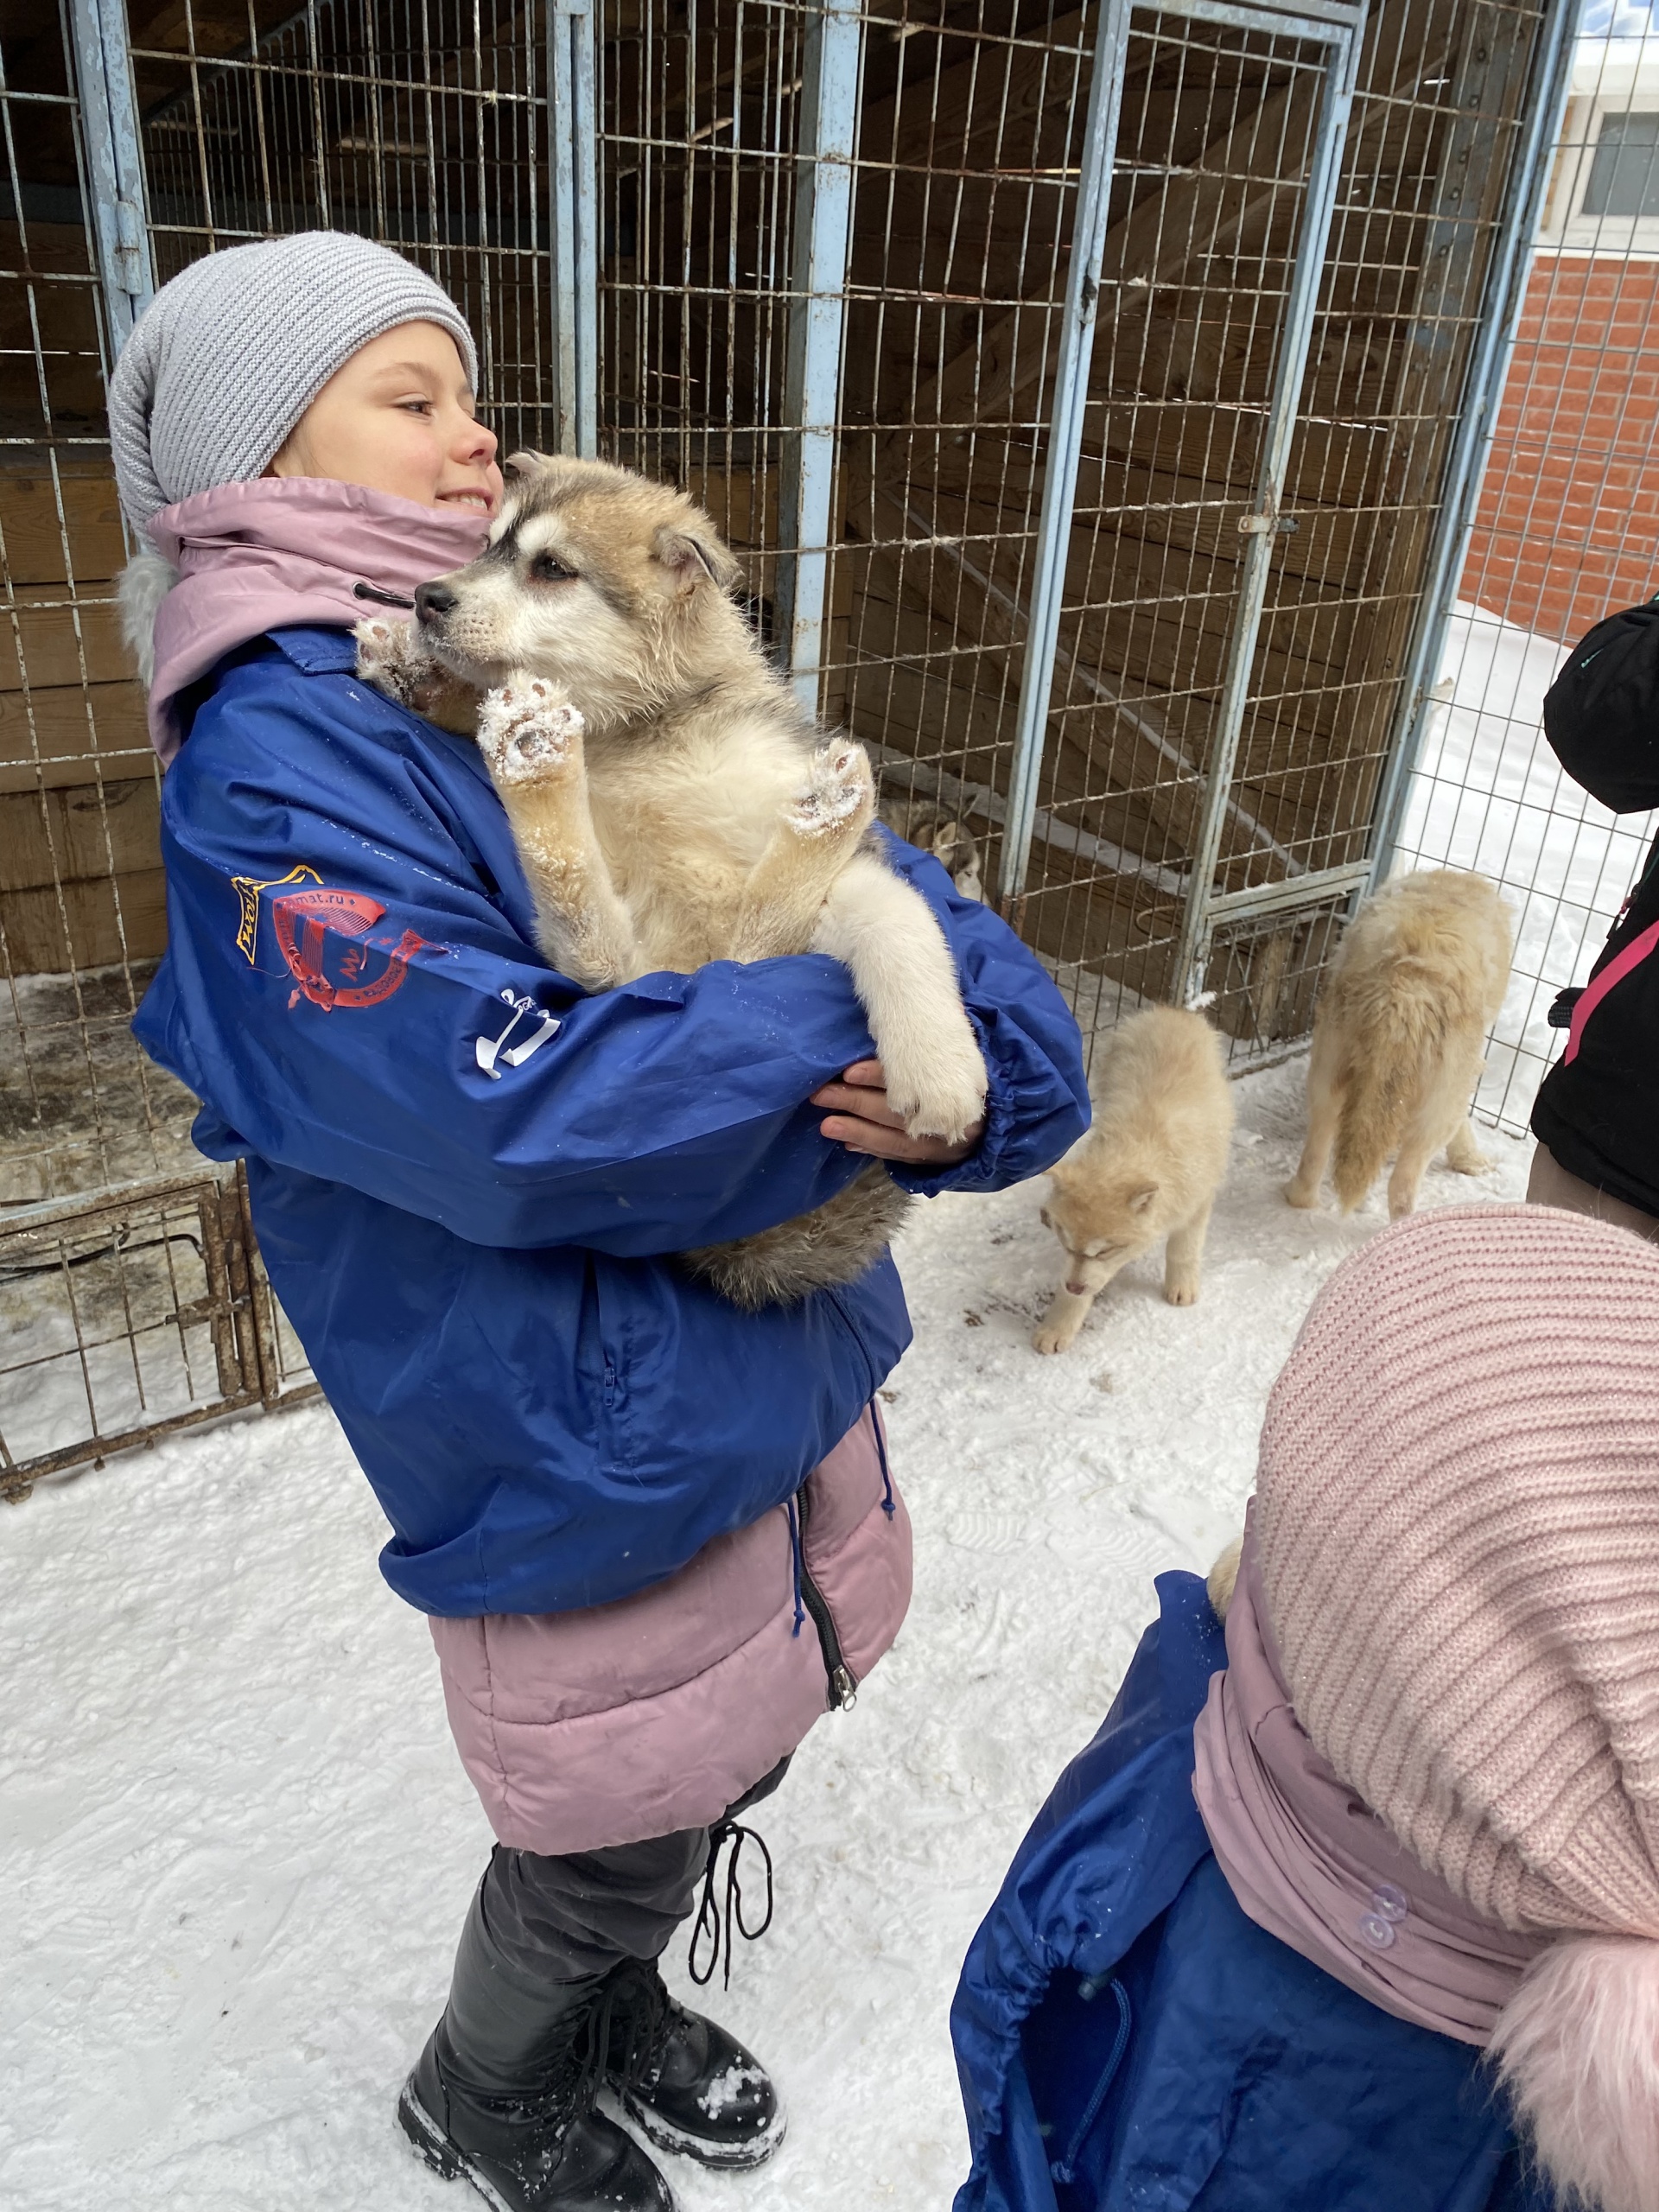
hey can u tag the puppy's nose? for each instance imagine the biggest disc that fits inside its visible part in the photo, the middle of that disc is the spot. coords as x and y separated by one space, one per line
432 602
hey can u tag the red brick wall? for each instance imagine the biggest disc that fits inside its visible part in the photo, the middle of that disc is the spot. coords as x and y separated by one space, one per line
1568 524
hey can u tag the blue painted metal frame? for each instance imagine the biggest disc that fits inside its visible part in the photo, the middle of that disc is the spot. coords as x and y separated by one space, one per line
1260 525
831 68
1065 437
109 123
1336 24
573 149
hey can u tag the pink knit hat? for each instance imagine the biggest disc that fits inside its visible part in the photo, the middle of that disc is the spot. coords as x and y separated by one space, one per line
1458 1519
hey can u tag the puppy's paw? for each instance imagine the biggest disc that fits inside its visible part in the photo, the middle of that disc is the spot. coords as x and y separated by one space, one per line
1298 1194
528 734
1463 1157
389 657
1049 1336
839 799
1184 1293
936 1082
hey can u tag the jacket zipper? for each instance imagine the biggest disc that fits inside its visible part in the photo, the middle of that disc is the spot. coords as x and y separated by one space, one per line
844 1684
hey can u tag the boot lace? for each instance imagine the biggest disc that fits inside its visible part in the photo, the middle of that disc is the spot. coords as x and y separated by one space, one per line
632 2008
707 1928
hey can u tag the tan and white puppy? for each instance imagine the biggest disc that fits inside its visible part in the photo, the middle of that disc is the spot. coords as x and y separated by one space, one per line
672 803
1149 1167
1399 1037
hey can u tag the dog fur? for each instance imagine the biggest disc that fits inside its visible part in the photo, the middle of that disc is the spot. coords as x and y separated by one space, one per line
1398 1038
931 829
672 803
1148 1168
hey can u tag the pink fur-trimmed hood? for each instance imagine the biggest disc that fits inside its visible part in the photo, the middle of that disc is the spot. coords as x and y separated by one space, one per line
245 558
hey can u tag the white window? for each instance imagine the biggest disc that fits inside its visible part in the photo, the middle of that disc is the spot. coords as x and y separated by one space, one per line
1604 193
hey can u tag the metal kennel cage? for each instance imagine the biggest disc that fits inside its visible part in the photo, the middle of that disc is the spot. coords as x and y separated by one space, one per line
1095 395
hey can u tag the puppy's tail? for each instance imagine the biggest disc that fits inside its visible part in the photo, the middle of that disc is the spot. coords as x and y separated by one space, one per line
1389 1058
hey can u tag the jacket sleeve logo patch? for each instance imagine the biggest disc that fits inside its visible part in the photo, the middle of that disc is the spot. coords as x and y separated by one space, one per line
323 935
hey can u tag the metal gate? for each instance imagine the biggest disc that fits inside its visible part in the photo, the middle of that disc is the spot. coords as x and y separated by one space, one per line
1089 429
1083 389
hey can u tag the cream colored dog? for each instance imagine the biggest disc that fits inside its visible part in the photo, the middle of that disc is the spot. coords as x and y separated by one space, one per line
1399 1037
1149 1167
672 804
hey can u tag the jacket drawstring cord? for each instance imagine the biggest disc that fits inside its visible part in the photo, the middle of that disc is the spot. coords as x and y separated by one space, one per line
887 1506
797 1564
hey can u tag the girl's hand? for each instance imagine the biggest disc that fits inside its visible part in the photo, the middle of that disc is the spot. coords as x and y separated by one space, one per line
861 1118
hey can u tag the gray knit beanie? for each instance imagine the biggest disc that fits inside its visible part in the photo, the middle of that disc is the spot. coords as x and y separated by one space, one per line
231 353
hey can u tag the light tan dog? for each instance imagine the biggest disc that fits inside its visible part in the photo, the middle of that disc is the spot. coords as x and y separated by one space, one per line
672 804
1149 1167
1399 1037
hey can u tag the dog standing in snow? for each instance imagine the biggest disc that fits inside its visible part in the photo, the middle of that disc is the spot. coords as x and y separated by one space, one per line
1148 1169
1399 1037
672 804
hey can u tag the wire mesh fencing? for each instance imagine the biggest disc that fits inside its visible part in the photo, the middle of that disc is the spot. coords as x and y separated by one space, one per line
1565 534
871 281
969 154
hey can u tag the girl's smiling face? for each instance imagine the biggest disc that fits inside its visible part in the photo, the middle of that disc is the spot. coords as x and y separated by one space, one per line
398 417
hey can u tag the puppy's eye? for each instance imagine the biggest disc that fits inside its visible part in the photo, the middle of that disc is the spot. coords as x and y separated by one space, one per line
547 570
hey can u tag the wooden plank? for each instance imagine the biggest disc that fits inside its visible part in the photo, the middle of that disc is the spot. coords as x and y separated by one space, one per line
34 536
47 619
68 732
78 833
38 936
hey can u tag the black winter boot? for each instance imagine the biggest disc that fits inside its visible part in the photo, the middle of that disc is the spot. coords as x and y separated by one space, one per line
691 2087
502 2094
551 2152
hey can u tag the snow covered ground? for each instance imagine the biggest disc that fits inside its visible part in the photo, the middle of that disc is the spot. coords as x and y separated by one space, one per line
1488 793
237 1847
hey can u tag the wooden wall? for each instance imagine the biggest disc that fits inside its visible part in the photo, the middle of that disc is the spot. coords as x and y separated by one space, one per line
80 875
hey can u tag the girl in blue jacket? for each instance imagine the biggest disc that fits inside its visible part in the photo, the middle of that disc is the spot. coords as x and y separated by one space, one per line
655 1537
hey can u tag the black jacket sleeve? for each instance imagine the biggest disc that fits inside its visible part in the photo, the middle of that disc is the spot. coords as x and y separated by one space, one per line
1601 714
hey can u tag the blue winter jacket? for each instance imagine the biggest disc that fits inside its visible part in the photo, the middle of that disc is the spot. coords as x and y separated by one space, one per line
467 1176
1127 2038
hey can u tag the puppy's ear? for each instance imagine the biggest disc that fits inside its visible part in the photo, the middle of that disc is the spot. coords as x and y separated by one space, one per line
1141 1199
692 555
527 463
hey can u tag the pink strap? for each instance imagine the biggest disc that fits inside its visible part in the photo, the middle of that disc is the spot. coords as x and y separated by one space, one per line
1599 986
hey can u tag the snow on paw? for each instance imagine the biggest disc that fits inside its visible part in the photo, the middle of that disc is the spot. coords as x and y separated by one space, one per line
388 657
840 797
527 733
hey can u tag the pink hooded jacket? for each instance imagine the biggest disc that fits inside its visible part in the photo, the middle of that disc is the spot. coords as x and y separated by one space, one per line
245 558
587 1729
